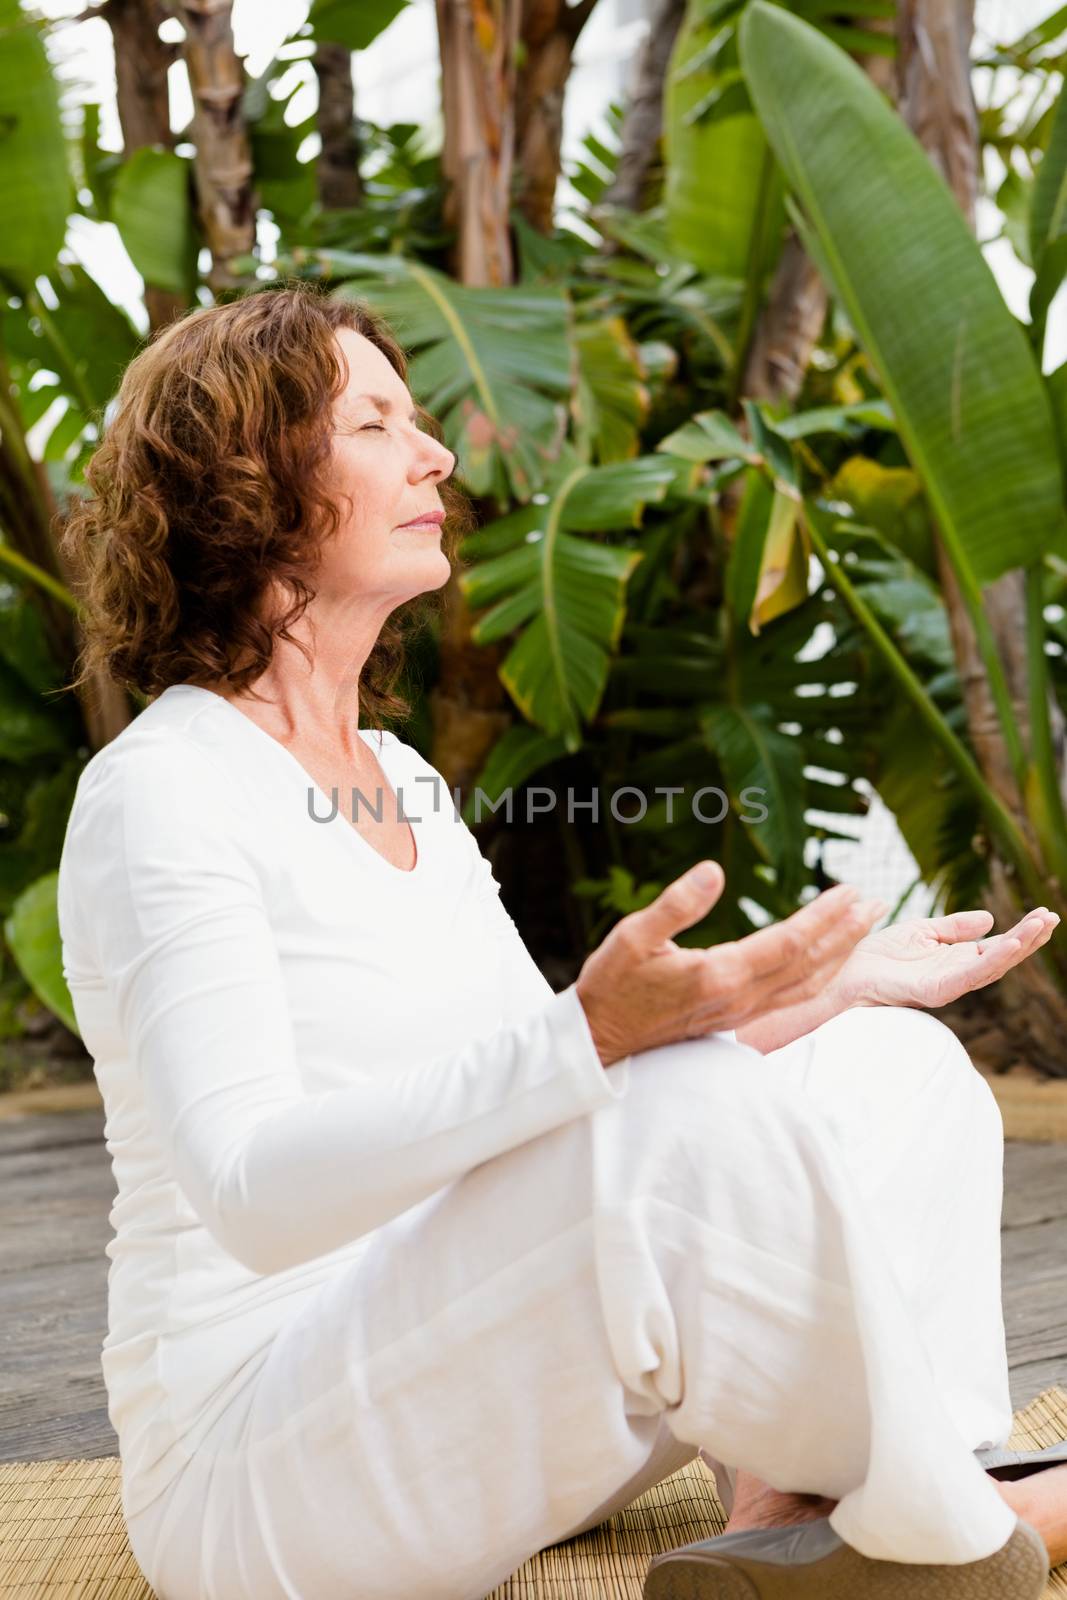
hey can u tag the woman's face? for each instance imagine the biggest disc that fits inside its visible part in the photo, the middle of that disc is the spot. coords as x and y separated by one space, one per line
389 470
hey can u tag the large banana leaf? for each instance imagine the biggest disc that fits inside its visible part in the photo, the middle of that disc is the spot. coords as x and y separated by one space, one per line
36 799
723 194
611 400
956 367
771 718
1048 220
32 932
763 768
35 185
150 207
767 572
356 23
74 346
565 593
517 755
495 366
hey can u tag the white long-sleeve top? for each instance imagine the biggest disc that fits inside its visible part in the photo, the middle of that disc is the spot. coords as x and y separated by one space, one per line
294 1039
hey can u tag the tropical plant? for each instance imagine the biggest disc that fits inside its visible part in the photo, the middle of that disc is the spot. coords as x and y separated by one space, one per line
717 456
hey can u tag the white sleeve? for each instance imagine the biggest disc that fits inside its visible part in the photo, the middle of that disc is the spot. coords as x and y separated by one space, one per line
158 858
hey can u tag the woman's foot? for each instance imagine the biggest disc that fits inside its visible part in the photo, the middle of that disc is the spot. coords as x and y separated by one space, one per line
1041 1500
757 1505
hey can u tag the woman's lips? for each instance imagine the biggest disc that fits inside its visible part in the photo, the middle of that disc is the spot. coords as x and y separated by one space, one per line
431 519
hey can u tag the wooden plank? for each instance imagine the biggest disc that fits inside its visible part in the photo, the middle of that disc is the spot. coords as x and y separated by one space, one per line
1035 1184
1032 1378
57 1191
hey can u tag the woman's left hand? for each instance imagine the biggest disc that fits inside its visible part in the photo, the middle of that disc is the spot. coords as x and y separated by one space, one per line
929 961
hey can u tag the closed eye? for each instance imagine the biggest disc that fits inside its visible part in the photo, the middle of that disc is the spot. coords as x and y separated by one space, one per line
376 425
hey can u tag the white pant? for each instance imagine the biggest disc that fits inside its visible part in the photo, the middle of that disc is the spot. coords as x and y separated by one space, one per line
791 1262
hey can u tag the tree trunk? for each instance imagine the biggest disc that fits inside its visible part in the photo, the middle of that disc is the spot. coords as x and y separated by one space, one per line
337 169
783 341
788 328
478 44
223 166
937 102
141 63
790 323
642 128
549 33
934 89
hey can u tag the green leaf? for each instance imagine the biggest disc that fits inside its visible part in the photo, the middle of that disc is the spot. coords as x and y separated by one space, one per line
84 340
767 571
356 23
615 496
1056 388
65 434
150 207
1048 218
24 643
954 362
32 932
755 755
845 421
513 760
36 193
714 189
29 726
285 185
1015 201
1046 32
708 436
565 592
611 400
891 500
938 821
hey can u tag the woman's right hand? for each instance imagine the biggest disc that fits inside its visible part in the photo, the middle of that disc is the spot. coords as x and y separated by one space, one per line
639 989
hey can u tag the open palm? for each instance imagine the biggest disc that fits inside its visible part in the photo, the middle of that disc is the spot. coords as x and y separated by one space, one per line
930 961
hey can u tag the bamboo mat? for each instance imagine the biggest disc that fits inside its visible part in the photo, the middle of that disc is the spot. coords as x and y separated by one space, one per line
62 1535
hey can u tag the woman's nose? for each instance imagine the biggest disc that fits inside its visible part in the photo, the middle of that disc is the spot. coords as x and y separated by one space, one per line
441 460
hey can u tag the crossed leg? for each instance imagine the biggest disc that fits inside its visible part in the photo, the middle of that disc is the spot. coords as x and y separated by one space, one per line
792 1264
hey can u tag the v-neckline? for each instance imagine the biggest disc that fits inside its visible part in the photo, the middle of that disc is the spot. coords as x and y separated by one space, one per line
406 873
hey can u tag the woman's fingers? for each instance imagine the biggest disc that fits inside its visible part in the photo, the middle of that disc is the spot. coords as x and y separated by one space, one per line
782 946
793 990
1032 931
804 962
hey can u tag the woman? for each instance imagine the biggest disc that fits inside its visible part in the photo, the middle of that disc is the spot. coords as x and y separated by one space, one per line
417 1266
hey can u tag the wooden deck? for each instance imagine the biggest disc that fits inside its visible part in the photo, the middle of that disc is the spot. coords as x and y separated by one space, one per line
56 1191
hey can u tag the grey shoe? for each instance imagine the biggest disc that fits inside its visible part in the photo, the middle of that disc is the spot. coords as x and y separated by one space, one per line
1009 1464
809 1561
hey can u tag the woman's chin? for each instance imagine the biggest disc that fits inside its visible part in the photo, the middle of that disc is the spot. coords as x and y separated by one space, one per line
431 572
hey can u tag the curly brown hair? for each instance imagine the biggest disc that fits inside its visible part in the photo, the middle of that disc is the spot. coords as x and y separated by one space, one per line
208 484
